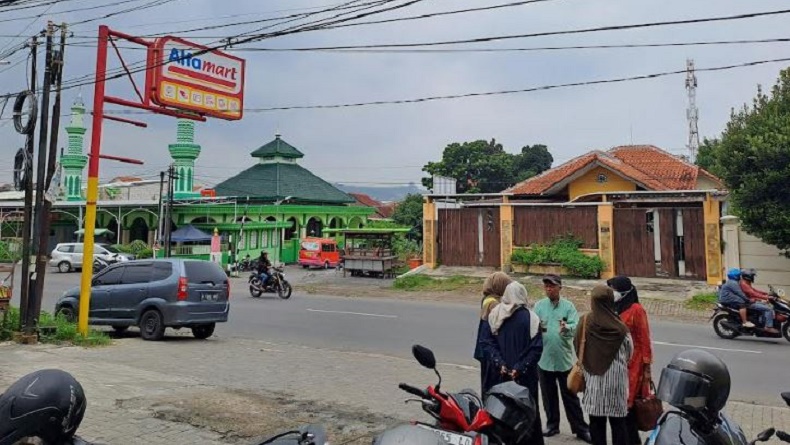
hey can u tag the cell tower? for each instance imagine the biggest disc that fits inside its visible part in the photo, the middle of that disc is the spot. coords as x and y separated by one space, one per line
692 114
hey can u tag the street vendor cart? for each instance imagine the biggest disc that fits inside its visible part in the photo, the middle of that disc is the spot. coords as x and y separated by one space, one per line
368 252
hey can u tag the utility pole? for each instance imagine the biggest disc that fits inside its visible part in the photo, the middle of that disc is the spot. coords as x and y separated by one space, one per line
28 214
692 113
171 174
40 238
159 229
55 70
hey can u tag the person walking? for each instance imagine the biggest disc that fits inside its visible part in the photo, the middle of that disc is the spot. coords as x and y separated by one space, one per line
514 345
559 320
634 316
493 288
605 368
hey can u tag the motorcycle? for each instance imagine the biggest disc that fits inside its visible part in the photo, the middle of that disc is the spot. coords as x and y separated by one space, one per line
100 264
461 418
687 428
248 265
727 321
275 284
307 435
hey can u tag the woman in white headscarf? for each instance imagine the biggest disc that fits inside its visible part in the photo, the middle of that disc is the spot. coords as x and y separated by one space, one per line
515 344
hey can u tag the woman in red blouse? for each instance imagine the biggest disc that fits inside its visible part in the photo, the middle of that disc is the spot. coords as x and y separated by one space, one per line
635 318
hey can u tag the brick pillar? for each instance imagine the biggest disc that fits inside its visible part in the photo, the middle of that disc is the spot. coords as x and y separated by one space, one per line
606 238
429 235
506 235
712 217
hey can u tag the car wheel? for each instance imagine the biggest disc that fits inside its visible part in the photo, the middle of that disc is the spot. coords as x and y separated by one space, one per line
326 265
152 327
64 267
203 331
68 313
120 329
305 266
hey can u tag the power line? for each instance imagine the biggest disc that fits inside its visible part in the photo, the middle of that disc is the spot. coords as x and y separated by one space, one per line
523 90
89 8
566 32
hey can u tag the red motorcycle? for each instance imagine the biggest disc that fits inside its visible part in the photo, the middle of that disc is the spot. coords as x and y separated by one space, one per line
462 418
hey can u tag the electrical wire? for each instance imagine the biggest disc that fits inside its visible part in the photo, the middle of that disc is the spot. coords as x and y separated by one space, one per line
85 44
567 32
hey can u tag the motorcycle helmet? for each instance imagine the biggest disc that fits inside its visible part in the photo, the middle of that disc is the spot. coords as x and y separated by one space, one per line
748 274
695 381
48 404
513 410
734 274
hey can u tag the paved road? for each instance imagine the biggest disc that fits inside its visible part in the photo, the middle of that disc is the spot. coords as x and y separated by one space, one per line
390 327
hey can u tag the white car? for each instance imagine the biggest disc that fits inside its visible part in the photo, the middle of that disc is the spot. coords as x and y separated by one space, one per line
68 256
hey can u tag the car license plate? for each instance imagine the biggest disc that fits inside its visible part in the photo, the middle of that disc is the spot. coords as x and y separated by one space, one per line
208 297
451 438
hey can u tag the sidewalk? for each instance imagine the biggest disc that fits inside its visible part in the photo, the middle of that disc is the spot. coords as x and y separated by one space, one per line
185 391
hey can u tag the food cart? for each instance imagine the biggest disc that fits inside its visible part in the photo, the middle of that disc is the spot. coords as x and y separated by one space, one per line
368 252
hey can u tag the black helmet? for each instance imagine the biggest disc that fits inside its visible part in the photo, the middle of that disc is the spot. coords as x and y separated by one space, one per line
513 410
48 404
695 381
748 274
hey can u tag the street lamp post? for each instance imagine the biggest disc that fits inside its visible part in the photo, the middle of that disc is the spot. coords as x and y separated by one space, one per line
279 229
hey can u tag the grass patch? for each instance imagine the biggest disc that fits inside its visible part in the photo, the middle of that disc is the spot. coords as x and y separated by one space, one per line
701 302
57 330
426 283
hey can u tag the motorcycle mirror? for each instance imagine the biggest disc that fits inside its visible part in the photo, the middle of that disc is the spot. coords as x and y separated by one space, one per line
765 435
424 356
786 397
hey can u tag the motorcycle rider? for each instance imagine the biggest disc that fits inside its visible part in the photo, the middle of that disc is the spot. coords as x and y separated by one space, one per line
731 295
263 267
758 298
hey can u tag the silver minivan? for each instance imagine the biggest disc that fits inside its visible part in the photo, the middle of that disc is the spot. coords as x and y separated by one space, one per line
155 295
68 256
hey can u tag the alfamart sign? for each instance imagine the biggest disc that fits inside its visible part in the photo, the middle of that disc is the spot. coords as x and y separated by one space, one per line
190 77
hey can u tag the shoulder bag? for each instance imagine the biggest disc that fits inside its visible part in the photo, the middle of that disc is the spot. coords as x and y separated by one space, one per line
576 383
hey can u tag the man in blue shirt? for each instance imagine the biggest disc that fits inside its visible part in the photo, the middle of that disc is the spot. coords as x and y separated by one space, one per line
559 320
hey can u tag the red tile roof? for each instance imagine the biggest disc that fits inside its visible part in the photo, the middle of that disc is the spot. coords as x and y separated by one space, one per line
365 200
647 165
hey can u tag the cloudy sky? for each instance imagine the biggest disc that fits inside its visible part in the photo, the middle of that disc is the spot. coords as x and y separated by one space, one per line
388 144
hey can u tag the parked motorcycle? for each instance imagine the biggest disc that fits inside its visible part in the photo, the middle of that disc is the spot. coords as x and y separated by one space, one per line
307 435
247 265
100 264
462 418
681 427
275 284
727 321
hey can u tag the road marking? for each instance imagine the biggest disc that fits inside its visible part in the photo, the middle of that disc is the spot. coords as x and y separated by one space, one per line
663 343
352 313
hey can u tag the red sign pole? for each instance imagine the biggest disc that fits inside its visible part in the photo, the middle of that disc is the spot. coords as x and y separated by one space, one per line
92 193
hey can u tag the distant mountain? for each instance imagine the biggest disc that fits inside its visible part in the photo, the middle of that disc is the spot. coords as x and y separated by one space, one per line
382 193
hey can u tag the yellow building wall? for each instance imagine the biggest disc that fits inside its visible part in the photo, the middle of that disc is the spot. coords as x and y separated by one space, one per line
588 183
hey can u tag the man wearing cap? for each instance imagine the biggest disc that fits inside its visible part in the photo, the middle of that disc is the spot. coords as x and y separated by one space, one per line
558 319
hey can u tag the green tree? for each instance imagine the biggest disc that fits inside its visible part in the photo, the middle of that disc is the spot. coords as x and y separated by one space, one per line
485 167
533 160
752 157
409 213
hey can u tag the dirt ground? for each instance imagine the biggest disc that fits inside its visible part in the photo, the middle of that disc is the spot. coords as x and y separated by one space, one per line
242 417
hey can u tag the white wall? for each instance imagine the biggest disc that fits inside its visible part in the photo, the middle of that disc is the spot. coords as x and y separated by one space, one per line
747 251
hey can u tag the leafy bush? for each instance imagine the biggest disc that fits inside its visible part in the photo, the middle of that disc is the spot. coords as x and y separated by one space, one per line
62 331
138 248
565 252
426 283
702 301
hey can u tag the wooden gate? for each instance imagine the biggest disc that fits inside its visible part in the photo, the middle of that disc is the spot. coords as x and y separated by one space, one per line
680 238
469 237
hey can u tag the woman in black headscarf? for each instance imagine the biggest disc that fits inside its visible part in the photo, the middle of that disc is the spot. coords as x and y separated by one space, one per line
608 347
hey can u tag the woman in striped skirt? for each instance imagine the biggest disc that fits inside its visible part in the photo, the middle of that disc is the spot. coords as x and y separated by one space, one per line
607 350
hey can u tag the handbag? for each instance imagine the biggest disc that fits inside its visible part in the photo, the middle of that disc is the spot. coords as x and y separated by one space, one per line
647 408
576 383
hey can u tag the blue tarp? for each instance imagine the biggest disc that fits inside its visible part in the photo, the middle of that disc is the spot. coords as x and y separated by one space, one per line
188 234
